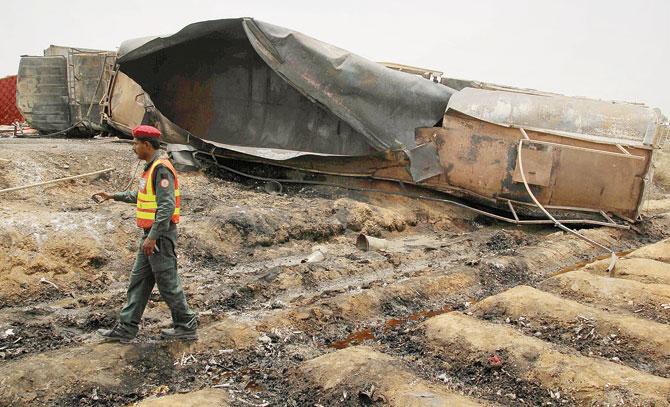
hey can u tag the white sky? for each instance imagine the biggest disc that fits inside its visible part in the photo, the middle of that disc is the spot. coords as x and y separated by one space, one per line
605 49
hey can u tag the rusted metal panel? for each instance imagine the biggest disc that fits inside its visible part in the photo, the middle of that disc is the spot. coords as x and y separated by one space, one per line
537 166
88 75
613 183
480 157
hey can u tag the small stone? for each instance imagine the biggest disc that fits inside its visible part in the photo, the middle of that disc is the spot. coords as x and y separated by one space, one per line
278 304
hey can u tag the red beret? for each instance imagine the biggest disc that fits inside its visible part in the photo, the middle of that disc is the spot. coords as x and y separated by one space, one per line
146 131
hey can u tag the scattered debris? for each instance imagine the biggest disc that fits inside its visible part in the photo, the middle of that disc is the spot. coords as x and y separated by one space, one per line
371 396
45 281
495 361
367 243
316 257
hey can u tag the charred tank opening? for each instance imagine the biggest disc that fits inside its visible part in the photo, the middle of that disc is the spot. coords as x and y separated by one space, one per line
218 88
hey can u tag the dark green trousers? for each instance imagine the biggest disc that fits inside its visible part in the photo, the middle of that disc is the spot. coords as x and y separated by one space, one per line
160 269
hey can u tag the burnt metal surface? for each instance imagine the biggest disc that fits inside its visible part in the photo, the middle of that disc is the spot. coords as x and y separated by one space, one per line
424 162
596 120
182 157
91 74
251 91
42 93
384 105
64 87
251 84
88 74
126 103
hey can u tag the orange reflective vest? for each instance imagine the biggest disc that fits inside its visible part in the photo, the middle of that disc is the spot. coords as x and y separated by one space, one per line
146 196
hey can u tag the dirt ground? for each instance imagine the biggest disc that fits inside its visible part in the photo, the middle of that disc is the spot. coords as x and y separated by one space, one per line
459 310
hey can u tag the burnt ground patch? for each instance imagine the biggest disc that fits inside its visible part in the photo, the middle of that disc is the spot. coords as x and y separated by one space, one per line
482 375
582 335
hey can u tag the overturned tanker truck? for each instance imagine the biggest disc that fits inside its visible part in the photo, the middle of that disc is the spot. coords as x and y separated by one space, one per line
241 90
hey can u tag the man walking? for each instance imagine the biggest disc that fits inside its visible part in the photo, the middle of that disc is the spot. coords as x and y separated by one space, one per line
157 213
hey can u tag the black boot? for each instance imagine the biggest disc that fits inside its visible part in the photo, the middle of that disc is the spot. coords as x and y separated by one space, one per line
179 333
116 334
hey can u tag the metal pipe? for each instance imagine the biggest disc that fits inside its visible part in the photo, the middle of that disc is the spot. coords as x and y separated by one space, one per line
427 198
592 150
56 180
511 208
367 243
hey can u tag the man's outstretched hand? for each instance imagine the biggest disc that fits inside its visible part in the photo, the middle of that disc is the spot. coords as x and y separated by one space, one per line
100 197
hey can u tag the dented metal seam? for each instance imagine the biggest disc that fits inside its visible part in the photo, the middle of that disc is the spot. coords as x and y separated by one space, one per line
646 184
259 35
625 154
266 50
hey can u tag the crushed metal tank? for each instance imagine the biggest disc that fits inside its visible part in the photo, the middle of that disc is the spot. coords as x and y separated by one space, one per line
253 91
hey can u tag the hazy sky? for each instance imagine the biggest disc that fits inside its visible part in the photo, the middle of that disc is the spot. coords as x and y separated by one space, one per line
605 49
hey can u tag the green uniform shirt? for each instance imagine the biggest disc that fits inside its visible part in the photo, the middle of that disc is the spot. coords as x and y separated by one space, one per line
165 199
